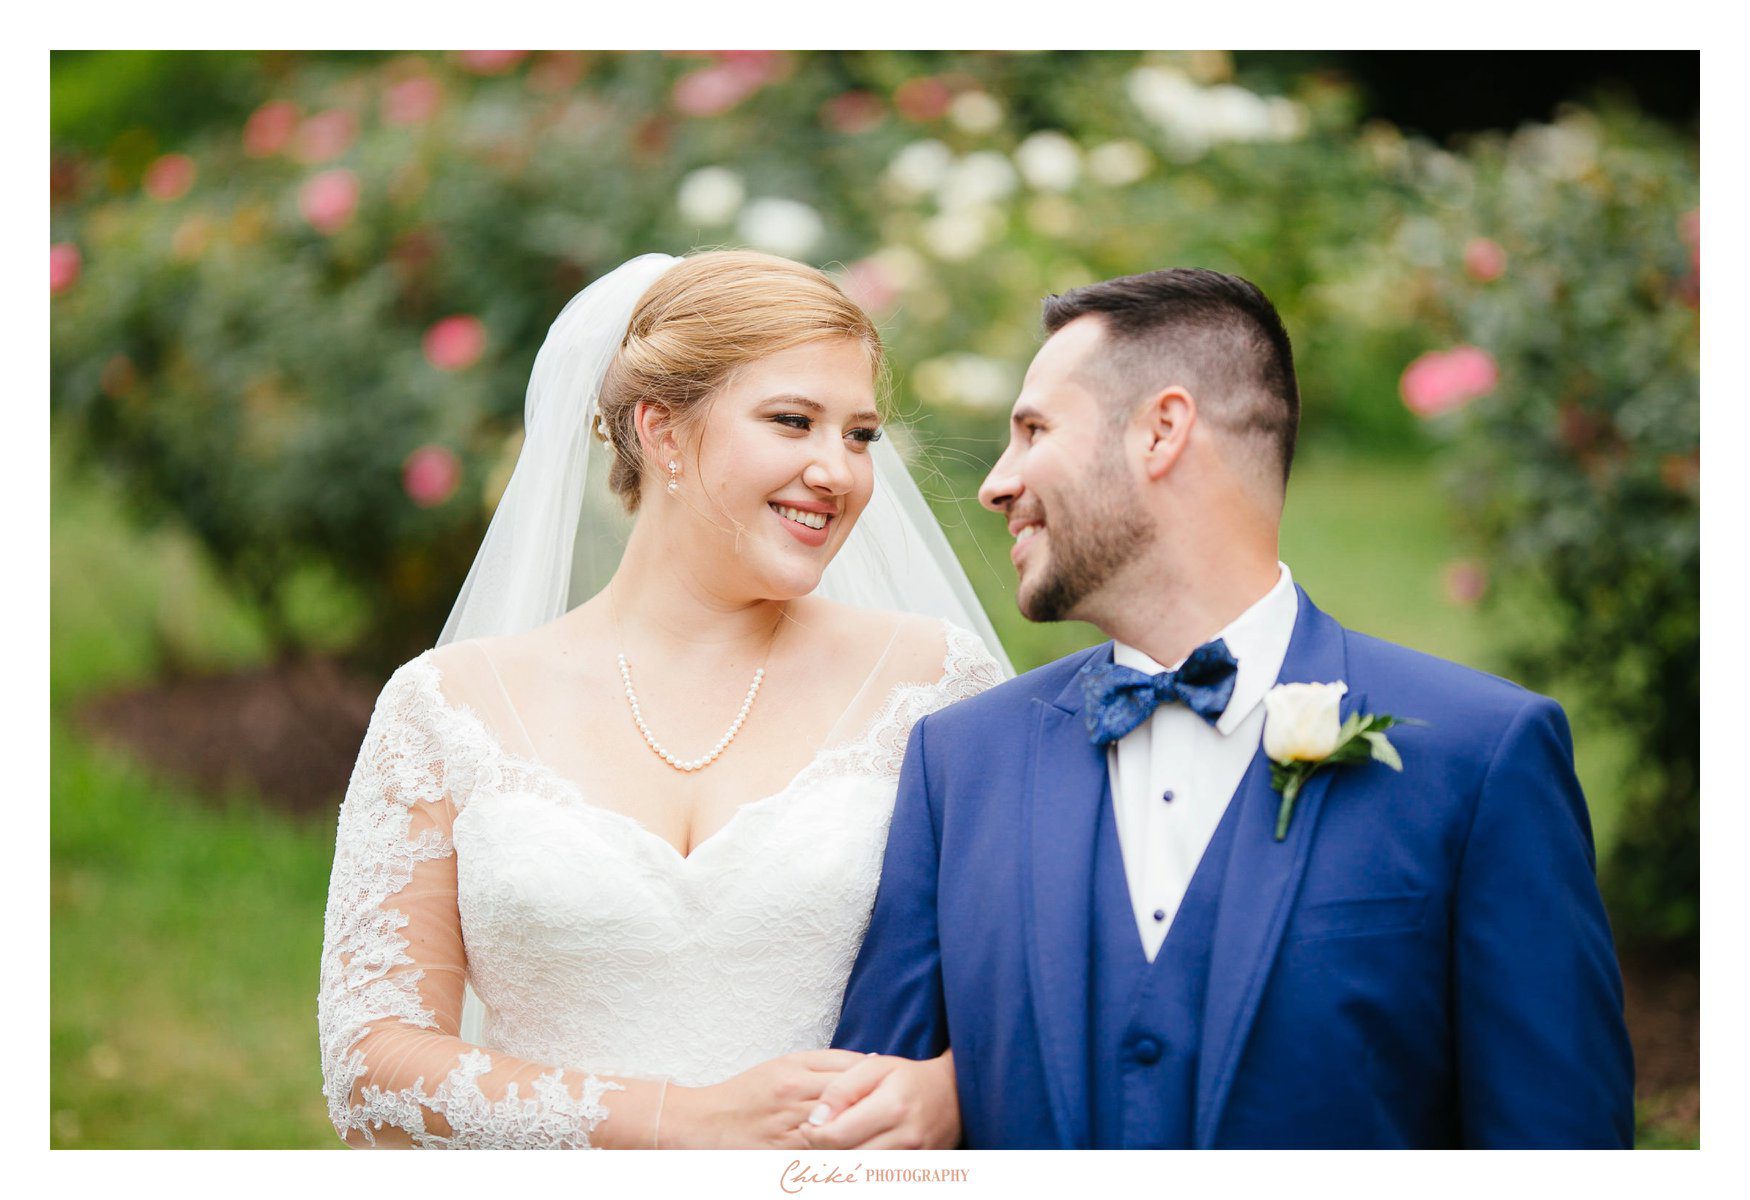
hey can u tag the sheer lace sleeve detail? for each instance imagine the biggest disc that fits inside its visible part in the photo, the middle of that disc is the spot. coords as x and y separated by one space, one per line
968 668
390 997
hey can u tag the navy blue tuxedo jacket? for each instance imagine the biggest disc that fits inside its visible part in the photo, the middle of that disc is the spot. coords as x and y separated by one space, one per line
1423 962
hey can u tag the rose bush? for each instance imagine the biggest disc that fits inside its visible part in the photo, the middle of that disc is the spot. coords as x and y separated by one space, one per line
1579 449
257 329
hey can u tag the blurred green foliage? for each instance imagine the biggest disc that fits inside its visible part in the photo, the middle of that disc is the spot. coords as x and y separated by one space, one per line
1579 473
246 336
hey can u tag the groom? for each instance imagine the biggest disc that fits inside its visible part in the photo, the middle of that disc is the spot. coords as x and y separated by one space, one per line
1088 895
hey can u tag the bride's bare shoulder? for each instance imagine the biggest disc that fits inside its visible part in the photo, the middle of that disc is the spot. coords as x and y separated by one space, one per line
915 645
469 666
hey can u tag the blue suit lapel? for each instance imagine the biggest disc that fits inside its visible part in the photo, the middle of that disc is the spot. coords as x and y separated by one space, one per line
1068 783
1263 877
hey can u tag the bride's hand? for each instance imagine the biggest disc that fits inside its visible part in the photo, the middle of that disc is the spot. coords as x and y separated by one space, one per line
761 1108
886 1103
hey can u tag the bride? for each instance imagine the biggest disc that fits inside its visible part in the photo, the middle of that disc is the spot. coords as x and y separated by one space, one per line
603 867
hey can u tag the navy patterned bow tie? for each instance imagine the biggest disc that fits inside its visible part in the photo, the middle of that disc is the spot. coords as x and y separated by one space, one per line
1119 698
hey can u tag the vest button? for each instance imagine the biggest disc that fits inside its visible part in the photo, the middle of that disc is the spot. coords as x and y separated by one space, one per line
1147 1051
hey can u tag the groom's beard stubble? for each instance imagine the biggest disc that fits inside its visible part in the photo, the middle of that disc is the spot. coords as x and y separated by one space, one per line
1090 532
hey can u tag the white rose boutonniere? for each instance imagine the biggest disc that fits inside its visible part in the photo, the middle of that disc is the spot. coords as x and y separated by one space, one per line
1303 731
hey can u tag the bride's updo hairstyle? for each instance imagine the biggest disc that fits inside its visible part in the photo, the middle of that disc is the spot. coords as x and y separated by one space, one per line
705 317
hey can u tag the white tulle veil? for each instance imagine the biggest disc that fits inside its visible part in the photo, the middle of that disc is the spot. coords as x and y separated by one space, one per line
558 531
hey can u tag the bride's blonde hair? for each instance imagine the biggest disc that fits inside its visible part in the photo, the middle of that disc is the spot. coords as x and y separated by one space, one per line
703 318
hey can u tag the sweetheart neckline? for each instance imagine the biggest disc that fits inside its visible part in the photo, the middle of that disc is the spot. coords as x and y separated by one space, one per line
574 792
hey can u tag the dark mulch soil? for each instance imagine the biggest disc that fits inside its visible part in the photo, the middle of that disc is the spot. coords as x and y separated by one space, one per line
288 732
1663 1002
291 732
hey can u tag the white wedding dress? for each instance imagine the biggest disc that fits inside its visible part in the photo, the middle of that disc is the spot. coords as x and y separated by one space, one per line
597 949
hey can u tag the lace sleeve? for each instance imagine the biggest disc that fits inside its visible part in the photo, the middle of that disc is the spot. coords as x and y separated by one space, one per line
390 998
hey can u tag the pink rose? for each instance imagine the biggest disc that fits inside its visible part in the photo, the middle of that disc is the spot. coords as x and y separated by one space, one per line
1484 260
1443 380
412 101
170 177
329 200
431 475
326 136
870 285
455 343
1466 582
714 89
490 62
851 112
270 128
923 99
764 65
64 265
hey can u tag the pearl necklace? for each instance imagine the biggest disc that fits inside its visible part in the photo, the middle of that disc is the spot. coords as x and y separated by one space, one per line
656 746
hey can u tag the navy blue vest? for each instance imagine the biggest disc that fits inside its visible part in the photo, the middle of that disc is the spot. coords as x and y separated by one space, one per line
1147 1018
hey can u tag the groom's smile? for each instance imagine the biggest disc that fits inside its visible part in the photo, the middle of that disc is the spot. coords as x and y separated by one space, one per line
1064 451
1023 530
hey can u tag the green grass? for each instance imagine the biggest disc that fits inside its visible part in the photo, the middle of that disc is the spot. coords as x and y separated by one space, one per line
182 964
186 928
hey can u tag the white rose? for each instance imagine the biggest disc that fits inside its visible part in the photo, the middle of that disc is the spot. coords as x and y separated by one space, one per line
975 112
958 235
779 226
982 177
1162 94
711 196
920 167
1118 163
1049 161
1301 721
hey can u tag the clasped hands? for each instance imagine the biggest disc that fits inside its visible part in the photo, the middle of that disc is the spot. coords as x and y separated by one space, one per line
816 1100
888 1103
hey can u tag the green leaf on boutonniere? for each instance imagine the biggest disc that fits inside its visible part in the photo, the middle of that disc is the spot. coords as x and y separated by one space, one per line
1384 751
1359 739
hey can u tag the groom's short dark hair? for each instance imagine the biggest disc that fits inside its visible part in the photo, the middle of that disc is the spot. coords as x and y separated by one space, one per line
1217 335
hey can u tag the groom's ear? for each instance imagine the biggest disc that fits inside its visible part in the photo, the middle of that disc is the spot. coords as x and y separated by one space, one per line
1166 419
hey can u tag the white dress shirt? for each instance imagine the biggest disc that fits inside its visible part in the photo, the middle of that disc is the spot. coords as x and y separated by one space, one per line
1173 775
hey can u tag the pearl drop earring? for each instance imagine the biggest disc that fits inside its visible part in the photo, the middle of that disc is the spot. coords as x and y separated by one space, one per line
674 482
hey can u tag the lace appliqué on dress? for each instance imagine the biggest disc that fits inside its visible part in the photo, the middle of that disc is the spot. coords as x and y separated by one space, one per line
409 758
553 1119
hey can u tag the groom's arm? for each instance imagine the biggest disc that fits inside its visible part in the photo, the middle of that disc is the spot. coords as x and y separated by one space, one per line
893 1003
1542 1053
